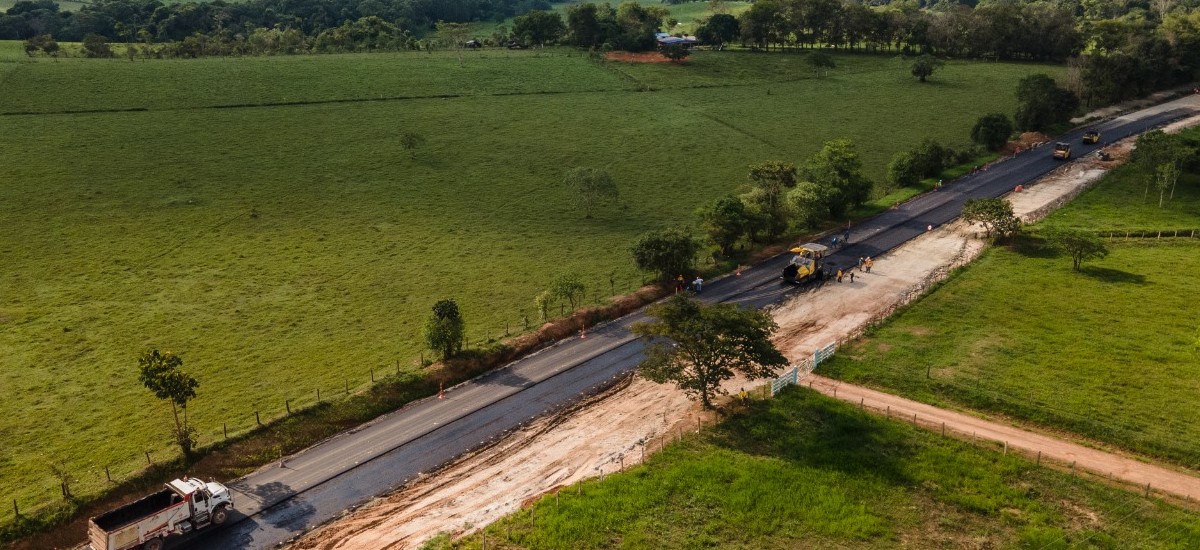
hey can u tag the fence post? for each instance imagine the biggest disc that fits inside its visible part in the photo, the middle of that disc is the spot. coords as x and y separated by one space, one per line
16 510
318 396
107 475
257 420
287 404
1039 458
148 462
372 375
225 429
1147 490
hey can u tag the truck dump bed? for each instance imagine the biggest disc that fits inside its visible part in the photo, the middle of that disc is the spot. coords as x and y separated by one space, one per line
119 528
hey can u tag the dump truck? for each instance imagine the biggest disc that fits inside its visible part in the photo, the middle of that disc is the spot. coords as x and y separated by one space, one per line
183 506
1062 151
1091 137
807 264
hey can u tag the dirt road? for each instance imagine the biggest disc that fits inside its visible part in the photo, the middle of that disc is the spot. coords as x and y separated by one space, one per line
608 433
1033 444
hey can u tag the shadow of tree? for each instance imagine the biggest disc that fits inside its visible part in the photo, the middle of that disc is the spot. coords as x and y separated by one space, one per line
290 510
804 427
1032 246
1110 275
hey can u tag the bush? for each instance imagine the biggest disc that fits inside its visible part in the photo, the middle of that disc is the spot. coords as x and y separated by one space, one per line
992 131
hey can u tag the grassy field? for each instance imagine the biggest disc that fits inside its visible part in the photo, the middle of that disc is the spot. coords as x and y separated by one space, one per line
291 247
1110 352
806 471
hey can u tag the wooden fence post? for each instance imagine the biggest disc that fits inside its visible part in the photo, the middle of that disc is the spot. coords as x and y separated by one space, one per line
287 404
225 429
257 419
107 474
148 462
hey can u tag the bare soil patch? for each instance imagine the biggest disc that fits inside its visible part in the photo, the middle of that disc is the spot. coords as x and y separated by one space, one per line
640 57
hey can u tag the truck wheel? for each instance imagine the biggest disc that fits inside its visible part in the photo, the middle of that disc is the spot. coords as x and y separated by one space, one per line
153 544
220 515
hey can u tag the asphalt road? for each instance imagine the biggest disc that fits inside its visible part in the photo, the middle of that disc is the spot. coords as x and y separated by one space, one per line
281 501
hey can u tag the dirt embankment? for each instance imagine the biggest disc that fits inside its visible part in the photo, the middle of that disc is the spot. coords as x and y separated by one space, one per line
613 430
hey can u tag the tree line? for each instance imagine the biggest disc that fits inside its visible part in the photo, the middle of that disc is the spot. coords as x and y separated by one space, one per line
155 21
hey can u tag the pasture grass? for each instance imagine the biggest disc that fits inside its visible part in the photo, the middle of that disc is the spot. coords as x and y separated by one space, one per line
1111 352
807 471
283 249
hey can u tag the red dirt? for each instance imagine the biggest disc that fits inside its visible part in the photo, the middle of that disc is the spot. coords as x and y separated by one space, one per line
644 57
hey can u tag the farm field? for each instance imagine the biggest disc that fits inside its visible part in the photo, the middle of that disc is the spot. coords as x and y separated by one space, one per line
804 470
1109 353
294 246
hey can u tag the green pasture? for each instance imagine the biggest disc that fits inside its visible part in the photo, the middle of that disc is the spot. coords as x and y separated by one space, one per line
1112 352
807 471
295 246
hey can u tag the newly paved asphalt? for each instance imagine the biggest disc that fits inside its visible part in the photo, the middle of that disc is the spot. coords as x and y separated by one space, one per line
279 502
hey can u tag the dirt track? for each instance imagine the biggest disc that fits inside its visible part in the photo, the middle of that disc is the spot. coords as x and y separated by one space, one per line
554 452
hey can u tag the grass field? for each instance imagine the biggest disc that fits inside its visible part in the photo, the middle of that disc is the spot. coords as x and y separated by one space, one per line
1111 352
287 248
806 471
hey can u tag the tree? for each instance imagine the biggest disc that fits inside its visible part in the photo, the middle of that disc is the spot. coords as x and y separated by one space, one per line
675 52
698 346
454 35
809 203
904 170
590 186
1166 175
837 169
992 131
725 221
539 27
51 47
1153 151
770 181
445 329
410 141
931 157
924 66
996 216
1080 245
162 374
1041 103
35 43
568 286
718 30
820 60
95 45
666 252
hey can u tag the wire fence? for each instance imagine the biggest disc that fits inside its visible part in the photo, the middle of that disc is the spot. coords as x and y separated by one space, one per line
74 480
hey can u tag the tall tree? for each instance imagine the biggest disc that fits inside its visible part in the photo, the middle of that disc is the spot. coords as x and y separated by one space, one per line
718 30
539 27
162 373
770 182
924 66
590 186
995 215
992 131
1080 245
725 221
698 346
838 169
569 287
666 253
1041 103
445 329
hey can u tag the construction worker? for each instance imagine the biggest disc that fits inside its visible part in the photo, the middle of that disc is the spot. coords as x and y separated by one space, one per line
696 284
839 276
